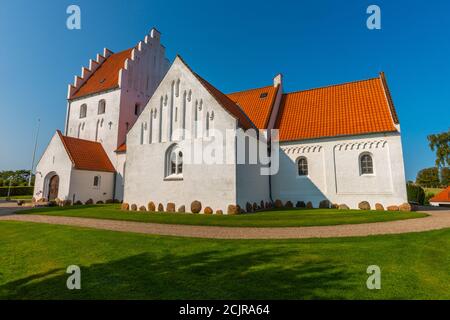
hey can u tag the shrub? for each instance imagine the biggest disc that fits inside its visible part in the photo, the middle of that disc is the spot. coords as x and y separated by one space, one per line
416 194
16 191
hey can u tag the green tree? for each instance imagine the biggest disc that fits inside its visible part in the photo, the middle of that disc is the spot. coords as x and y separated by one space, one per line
445 176
428 178
440 143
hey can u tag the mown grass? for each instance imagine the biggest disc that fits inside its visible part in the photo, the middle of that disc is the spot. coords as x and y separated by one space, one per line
17 198
115 265
274 218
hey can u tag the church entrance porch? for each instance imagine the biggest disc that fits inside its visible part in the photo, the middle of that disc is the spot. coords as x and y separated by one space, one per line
51 186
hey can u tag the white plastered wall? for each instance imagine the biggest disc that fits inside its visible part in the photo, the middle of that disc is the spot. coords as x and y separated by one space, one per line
334 171
53 161
82 186
107 123
212 184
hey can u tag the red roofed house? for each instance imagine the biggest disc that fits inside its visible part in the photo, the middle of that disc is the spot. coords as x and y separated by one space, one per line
139 131
442 199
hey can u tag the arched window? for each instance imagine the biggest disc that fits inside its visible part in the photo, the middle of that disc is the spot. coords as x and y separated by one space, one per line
180 163
96 130
101 106
302 166
97 181
83 110
366 163
174 162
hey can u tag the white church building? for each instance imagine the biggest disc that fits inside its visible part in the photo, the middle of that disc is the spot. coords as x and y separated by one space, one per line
141 130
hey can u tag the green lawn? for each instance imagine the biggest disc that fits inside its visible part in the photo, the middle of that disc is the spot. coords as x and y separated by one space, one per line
284 218
432 190
114 265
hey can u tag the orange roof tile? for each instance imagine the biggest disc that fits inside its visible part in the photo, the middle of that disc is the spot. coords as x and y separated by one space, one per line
257 107
86 155
345 109
122 148
443 196
106 76
224 101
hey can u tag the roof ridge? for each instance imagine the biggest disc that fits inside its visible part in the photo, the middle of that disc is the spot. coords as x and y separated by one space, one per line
253 89
388 95
62 138
332 85
84 140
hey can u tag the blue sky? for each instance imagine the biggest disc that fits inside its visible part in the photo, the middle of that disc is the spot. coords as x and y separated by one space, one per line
235 45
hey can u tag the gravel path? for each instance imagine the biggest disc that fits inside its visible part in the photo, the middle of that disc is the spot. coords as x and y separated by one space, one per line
436 220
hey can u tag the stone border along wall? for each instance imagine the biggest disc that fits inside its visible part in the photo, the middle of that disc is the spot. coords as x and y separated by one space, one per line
196 207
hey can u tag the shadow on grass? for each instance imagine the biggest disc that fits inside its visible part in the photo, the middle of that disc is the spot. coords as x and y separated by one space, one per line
207 275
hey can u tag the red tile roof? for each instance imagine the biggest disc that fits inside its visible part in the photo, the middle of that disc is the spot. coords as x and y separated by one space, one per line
122 148
106 76
346 109
257 107
224 101
443 196
86 155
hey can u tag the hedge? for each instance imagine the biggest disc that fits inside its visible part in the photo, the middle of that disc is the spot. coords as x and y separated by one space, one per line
415 193
16 191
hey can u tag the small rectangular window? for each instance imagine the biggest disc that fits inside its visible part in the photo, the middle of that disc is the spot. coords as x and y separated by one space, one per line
136 109
263 95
